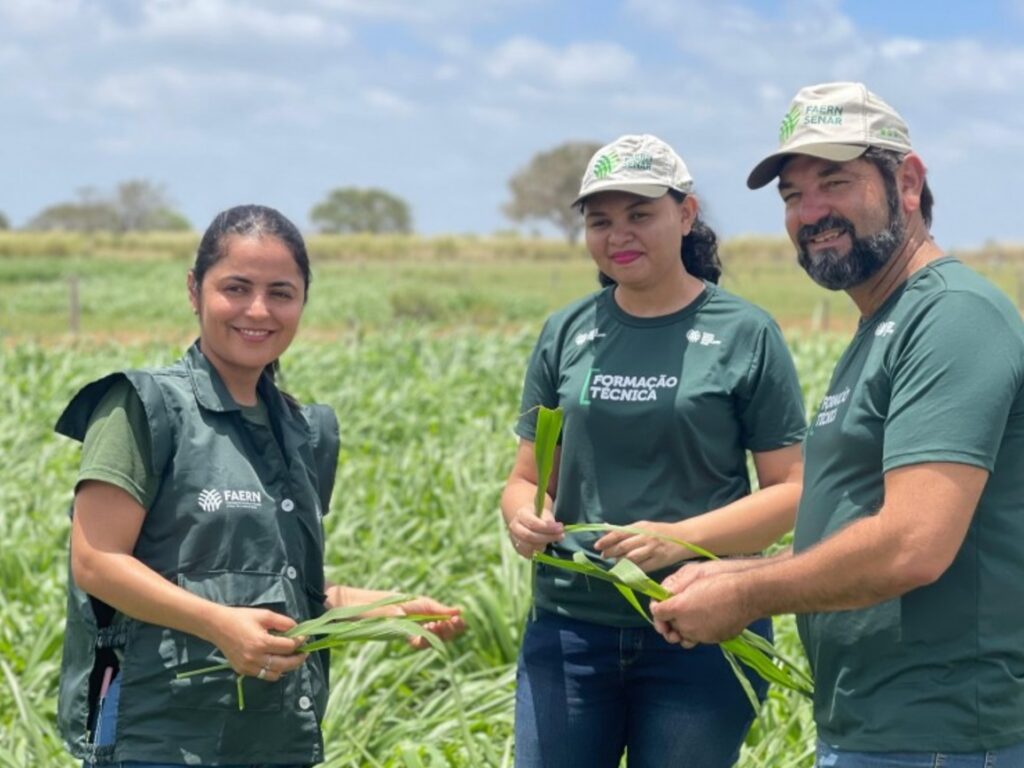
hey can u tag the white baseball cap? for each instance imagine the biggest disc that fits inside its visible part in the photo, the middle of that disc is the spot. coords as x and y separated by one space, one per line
638 163
833 121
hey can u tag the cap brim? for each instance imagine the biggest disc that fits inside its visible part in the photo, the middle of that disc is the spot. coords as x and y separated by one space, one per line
644 190
769 168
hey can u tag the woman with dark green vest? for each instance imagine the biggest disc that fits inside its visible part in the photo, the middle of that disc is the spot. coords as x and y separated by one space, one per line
667 382
197 531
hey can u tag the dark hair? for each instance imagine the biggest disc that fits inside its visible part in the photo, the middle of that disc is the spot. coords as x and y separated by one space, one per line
699 249
255 221
887 161
250 221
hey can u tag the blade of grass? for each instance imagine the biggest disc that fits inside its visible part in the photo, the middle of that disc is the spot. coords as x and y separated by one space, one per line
633 577
771 649
342 612
741 678
630 596
369 630
549 427
587 569
762 663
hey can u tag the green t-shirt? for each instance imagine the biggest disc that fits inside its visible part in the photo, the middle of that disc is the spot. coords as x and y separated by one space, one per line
117 448
659 414
935 375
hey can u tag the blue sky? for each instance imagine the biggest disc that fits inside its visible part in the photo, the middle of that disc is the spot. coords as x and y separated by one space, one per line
441 101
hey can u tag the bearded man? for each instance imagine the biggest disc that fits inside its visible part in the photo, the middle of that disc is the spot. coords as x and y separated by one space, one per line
907 566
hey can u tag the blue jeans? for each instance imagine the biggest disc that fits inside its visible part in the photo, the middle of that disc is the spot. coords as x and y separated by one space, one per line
585 693
1007 757
106 732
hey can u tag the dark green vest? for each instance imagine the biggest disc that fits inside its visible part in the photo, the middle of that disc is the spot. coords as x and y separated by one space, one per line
237 520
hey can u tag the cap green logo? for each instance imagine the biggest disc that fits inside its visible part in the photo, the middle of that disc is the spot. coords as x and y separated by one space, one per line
789 123
605 164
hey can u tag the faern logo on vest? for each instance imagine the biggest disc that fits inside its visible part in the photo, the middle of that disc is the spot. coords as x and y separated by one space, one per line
210 500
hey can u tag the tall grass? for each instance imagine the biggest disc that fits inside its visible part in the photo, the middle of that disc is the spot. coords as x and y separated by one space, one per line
427 439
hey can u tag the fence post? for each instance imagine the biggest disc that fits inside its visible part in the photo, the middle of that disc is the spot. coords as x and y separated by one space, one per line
74 306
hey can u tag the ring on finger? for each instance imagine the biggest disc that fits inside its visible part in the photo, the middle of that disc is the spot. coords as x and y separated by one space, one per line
262 674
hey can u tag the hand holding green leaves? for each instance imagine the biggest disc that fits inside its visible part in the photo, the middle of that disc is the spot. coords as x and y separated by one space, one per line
741 646
422 621
247 637
650 552
530 522
442 621
706 605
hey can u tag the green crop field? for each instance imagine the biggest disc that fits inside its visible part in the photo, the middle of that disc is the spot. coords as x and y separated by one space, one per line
422 359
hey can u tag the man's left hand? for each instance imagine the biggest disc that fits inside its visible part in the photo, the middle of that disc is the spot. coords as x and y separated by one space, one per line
709 609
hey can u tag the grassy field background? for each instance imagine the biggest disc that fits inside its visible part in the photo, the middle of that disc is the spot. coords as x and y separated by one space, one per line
131 287
419 345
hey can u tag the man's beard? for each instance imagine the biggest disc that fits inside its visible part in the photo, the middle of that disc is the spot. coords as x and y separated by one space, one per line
837 271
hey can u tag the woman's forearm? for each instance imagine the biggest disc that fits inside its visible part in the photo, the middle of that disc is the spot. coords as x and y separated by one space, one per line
136 590
745 526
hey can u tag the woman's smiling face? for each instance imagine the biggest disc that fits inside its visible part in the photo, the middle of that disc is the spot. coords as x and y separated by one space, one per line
249 306
636 240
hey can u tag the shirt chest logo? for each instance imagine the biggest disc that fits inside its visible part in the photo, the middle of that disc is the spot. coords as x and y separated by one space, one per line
704 338
829 408
212 499
583 338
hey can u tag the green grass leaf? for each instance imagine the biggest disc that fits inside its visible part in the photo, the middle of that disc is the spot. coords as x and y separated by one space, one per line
341 613
549 427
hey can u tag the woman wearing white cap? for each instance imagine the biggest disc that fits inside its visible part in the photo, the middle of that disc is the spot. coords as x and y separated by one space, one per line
667 381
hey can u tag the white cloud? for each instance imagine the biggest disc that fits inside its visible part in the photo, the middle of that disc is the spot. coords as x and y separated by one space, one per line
388 102
728 38
901 48
38 15
162 88
495 117
578 64
969 67
455 46
227 19
433 13
446 72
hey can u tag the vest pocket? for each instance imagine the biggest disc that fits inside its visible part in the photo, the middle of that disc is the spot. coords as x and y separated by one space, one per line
167 652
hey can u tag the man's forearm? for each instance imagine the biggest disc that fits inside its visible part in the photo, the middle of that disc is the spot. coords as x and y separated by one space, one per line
857 567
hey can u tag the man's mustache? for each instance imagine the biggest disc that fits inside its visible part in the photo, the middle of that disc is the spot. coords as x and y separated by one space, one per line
838 223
